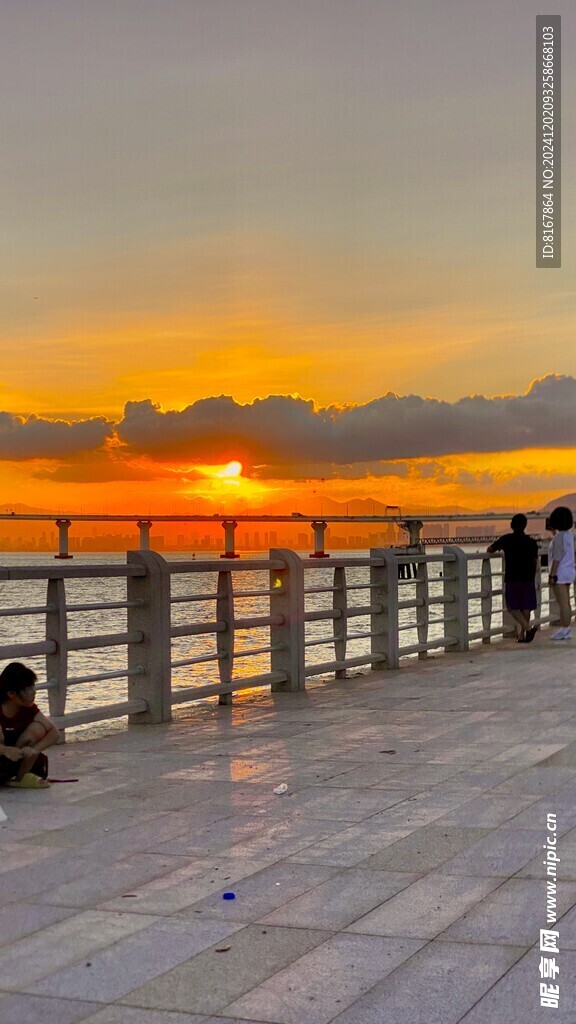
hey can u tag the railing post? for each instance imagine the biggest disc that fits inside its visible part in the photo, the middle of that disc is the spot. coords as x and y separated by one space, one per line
384 624
508 623
456 590
422 611
340 604
538 585
486 598
225 640
153 655
287 599
57 663
553 608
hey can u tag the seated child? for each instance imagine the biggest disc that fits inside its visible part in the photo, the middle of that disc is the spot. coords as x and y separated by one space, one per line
24 731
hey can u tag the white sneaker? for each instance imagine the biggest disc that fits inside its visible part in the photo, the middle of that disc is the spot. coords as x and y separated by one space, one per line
562 634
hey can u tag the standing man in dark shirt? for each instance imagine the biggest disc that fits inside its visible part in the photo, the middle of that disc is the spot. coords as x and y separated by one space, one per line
520 563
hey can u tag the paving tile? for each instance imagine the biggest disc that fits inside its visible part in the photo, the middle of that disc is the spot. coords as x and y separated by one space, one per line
126 1015
340 900
426 907
217 837
18 920
285 839
567 922
534 816
435 986
173 892
341 804
537 781
212 980
515 999
12 856
323 983
502 853
512 914
113 880
262 892
419 810
25 1009
529 753
64 943
23 883
487 811
567 853
425 849
134 960
351 845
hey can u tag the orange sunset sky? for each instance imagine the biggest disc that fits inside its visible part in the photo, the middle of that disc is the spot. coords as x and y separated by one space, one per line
260 252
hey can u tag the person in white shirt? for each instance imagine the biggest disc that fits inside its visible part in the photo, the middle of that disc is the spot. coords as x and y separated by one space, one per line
562 567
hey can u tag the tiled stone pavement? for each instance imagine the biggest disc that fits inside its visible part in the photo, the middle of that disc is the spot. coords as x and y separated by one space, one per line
399 881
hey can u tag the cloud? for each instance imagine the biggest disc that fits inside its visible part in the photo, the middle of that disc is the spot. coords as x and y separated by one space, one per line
286 430
39 438
288 437
327 471
101 468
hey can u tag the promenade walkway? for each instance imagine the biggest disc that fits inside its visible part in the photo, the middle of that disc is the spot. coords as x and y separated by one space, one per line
398 881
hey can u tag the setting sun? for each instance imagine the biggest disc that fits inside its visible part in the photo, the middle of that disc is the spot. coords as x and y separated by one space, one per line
233 469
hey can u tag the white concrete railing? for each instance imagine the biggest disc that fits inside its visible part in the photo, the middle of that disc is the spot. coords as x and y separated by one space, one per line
442 612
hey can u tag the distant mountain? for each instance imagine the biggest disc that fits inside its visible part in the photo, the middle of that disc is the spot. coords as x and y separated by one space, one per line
565 499
320 505
22 510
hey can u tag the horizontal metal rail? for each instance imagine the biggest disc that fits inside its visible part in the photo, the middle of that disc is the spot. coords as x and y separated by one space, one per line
250 652
10 651
101 713
185 694
418 558
98 677
104 606
430 645
353 611
229 564
331 639
257 621
200 659
195 598
344 563
327 613
480 634
198 629
31 610
335 666
259 593
87 643
65 572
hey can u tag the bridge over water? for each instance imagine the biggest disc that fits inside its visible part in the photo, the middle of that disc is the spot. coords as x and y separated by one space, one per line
412 525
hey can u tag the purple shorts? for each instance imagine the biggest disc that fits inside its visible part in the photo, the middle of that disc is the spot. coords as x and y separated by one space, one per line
520 596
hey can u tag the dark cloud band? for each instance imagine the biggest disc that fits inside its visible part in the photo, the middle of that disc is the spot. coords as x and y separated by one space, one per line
278 432
283 430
